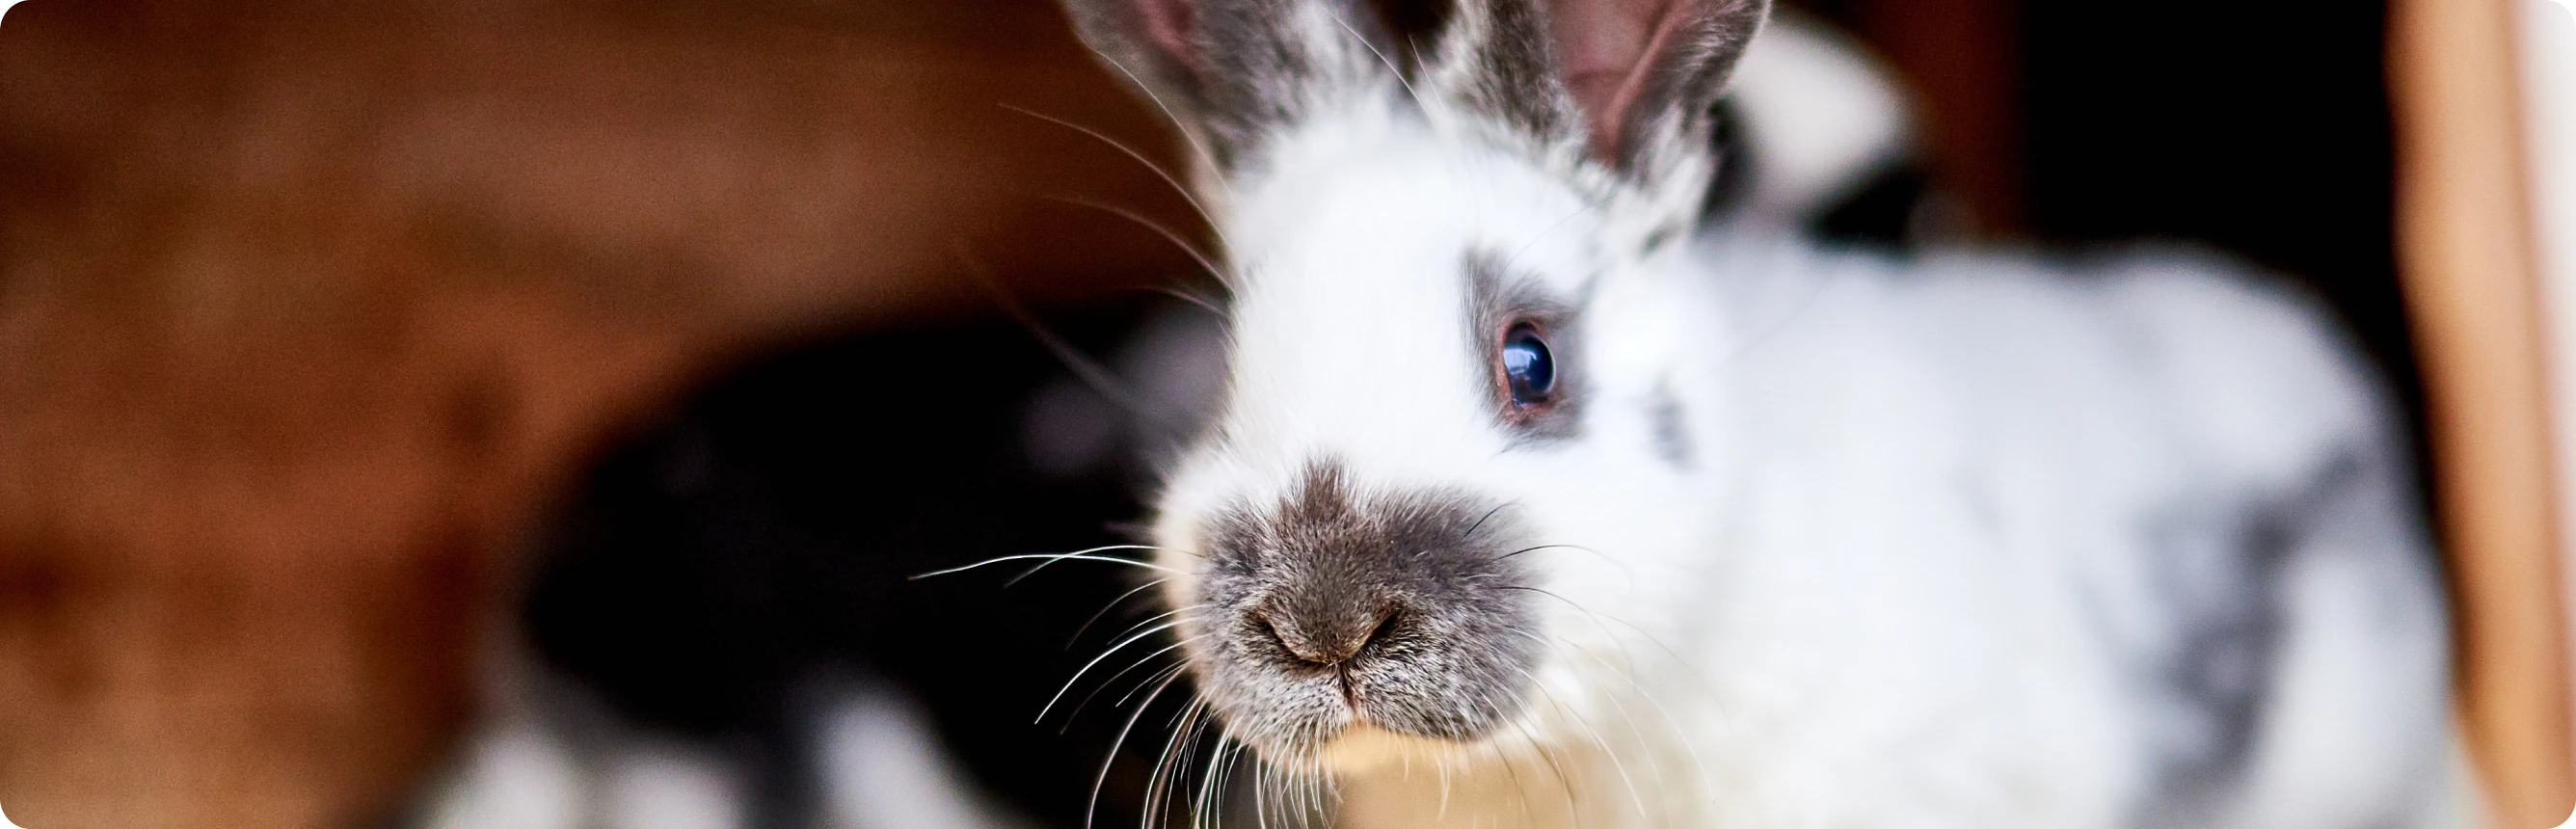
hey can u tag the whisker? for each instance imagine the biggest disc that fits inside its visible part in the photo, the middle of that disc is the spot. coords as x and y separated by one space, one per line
1520 789
1480 521
1166 676
1595 734
1169 769
1104 655
1319 793
1084 367
1092 810
1564 782
1391 68
1183 129
1104 609
1152 618
1131 152
1262 780
1689 747
1160 229
1542 236
1146 816
1625 571
1198 743
1203 303
1707 689
1212 784
1669 653
1051 558
1140 662
1786 321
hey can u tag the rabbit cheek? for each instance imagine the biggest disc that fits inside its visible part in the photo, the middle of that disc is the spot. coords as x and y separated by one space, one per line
1394 613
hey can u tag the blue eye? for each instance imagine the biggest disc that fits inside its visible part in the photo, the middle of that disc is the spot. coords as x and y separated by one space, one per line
1527 365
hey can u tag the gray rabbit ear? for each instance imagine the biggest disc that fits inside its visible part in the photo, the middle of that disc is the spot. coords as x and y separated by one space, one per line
1233 71
1633 79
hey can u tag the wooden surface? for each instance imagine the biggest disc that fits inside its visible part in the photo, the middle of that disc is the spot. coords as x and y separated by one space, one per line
2465 253
305 307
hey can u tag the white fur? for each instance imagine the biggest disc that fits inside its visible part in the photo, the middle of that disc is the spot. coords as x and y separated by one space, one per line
557 759
1820 116
1904 578
525 772
883 768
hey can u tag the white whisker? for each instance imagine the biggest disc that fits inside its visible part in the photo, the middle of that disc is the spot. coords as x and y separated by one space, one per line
1160 229
1140 662
1391 68
1051 558
1140 158
1104 655
1186 135
1092 810
1113 604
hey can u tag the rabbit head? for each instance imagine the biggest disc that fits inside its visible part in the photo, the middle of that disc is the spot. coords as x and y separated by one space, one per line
1426 378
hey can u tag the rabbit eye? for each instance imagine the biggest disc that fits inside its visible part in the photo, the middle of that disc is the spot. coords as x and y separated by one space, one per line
1527 365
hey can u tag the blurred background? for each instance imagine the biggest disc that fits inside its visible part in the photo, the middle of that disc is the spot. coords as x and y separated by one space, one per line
367 370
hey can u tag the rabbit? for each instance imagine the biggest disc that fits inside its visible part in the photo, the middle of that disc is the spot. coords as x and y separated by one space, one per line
716 627
1530 503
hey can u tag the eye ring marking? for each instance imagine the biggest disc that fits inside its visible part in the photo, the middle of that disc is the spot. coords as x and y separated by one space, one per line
1527 367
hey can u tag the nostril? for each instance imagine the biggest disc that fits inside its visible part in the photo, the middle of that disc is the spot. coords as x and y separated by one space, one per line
1384 630
1298 646
1326 645
1271 627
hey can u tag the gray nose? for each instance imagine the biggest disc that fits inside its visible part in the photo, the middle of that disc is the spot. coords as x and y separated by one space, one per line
1326 636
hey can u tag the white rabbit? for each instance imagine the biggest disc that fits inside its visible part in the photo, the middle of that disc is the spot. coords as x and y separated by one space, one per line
1526 506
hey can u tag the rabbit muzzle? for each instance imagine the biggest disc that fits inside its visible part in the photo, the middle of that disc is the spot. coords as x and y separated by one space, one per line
1337 610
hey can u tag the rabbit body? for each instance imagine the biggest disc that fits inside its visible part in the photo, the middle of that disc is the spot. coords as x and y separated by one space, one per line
1528 506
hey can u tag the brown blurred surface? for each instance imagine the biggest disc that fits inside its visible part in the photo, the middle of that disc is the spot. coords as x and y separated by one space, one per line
2467 259
306 307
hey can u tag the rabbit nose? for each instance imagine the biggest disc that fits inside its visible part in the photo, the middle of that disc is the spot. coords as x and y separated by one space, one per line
1325 639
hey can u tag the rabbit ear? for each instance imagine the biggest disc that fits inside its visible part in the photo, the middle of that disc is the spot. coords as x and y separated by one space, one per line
1633 79
1232 71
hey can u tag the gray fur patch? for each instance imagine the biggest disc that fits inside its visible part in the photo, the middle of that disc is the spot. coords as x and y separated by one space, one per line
1498 300
1512 77
1671 433
1233 72
2226 587
1335 605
